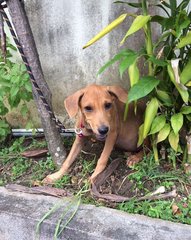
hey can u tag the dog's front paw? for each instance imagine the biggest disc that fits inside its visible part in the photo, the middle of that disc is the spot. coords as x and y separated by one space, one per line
52 178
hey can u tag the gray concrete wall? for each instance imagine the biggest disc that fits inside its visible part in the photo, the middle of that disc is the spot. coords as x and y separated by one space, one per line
61 28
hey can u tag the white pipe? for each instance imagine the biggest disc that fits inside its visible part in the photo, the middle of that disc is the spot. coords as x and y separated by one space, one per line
34 132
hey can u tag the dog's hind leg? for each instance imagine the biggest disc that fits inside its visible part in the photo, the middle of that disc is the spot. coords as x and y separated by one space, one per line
134 158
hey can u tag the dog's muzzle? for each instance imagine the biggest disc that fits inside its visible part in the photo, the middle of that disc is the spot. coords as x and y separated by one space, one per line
102 130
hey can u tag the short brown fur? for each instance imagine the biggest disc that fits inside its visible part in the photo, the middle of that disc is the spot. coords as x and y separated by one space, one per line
100 109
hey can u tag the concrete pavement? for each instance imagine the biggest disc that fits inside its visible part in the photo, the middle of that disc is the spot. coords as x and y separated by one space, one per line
20 212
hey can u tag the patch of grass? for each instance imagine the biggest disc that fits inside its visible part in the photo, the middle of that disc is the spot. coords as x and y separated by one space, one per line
42 167
15 167
20 166
160 209
88 166
147 177
66 179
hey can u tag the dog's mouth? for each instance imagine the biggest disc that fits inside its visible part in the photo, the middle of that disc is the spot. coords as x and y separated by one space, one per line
101 137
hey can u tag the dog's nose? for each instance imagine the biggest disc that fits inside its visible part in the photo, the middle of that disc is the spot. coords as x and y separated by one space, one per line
103 130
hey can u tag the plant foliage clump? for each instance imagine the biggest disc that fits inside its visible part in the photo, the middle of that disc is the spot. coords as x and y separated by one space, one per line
15 88
167 83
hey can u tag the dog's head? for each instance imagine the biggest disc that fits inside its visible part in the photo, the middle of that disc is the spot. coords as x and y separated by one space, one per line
97 106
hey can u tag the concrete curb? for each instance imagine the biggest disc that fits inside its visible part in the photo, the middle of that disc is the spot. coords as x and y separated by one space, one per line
20 212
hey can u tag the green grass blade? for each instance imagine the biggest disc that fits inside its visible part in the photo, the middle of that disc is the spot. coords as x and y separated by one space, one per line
49 213
70 218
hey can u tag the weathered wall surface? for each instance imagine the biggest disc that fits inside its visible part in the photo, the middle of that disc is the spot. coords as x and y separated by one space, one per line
61 28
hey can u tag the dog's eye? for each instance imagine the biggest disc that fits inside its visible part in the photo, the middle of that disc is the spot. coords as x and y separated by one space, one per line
88 109
108 106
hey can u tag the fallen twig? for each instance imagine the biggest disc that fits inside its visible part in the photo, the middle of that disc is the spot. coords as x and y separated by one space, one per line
171 194
45 190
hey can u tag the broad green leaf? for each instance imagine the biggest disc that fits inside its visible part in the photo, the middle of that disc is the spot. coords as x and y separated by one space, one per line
116 58
173 140
106 30
173 4
4 124
28 86
158 62
16 79
181 26
185 75
185 40
185 110
176 122
14 91
157 124
138 23
150 113
164 132
164 97
15 70
142 88
3 110
188 84
183 5
188 117
133 73
159 19
23 68
4 83
126 63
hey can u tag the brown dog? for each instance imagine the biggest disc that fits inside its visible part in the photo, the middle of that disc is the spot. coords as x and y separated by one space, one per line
100 111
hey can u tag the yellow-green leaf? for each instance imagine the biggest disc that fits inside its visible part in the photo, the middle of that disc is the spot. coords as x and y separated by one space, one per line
138 23
106 30
157 124
185 75
150 113
185 40
188 84
173 140
185 110
164 132
140 140
133 73
176 122
164 97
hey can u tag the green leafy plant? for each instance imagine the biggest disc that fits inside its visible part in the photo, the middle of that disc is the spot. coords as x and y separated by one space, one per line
167 83
15 88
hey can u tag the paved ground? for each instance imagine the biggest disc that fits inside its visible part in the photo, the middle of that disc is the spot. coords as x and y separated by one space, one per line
20 212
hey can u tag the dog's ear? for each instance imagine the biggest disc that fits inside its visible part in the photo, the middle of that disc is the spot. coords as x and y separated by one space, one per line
118 92
71 103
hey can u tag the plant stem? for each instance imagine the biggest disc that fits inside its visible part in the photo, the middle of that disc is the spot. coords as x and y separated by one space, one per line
188 138
155 150
148 37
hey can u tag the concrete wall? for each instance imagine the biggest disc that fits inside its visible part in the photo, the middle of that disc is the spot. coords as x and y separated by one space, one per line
61 28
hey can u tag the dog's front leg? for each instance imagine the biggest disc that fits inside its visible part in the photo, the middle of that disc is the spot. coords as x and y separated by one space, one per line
102 162
75 150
